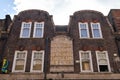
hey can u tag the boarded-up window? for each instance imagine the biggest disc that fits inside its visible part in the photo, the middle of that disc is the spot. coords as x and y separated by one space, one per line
61 54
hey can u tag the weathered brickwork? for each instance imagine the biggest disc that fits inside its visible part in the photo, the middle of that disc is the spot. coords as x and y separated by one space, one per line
114 18
4 24
66 54
91 43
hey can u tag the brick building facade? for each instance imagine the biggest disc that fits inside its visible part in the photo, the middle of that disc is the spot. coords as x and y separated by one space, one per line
87 48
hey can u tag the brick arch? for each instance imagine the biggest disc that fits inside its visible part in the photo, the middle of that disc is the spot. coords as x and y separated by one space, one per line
88 11
32 12
62 37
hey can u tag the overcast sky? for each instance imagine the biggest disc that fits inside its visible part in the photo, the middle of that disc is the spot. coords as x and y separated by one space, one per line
60 9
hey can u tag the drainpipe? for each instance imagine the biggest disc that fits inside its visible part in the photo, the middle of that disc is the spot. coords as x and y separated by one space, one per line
46 57
117 44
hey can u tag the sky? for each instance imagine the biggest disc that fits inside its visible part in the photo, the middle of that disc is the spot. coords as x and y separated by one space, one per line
60 9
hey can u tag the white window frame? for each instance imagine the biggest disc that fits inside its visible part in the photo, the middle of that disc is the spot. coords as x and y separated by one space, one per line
86 29
15 58
36 28
108 63
99 27
90 58
23 28
31 69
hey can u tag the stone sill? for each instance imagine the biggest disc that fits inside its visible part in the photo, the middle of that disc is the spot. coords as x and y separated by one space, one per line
60 76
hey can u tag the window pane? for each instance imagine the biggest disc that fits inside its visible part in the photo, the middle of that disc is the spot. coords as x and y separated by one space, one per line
85 55
26 25
103 62
25 32
84 33
37 55
102 55
39 25
95 26
19 64
37 64
38 32
21 55
96 33
83 26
